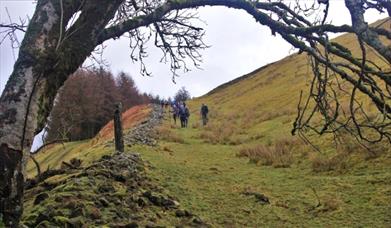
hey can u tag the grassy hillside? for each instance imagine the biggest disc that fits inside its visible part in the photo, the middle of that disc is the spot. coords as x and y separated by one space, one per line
263 103
244 169
218 171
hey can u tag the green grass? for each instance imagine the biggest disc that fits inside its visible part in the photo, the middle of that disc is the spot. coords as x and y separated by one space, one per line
209 180
52 158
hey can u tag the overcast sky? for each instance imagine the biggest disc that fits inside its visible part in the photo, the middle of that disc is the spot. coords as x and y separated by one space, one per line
238 46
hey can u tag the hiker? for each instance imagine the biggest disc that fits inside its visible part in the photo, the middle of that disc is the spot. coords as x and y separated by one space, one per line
162 104
204 114
183 114
175 112
187 113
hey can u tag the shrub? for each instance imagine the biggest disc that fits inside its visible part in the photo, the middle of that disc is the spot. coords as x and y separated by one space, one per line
325 164
196 125
168 135
237 140
331 203
218 133
328 203
259 154
282 154
279 154
209 137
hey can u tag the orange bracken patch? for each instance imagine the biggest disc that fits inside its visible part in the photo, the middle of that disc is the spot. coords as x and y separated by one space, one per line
130 118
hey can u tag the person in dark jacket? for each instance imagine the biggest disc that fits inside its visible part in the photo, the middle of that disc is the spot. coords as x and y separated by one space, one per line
187 113
175 112
183 114
204 114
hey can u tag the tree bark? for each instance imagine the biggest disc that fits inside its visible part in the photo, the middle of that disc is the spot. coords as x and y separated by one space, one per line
47 57
19 106
12 184
361 28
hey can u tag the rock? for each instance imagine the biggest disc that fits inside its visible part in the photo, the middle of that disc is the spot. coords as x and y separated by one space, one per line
44 217
144 132
261 198
72 203
41 197
153 225
127 225
75 162
104 202
76 222
197 220
119 178
93 212
79 211
106 188
183 213
142 202
159 200
61 221
106 157
44 224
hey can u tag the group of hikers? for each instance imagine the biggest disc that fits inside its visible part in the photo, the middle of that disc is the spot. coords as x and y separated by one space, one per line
180 111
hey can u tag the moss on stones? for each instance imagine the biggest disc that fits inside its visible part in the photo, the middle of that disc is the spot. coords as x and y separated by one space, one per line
96 197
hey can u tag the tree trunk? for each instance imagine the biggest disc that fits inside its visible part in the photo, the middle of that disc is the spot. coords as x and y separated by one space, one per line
20 106
12 183
47 56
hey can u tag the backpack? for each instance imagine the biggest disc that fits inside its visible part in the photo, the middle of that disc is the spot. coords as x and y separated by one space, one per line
187 113
182 111
204 110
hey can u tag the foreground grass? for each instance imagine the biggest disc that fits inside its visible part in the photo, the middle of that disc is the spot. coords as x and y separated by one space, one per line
210 180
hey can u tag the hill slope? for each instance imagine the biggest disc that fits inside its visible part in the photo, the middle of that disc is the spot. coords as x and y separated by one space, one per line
243 169
224 171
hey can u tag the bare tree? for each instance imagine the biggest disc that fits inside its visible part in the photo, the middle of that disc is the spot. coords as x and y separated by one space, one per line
63 33
10 31
182 95
85 102
128 92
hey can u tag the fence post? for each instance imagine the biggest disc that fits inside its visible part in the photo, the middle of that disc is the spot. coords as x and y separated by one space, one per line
118 134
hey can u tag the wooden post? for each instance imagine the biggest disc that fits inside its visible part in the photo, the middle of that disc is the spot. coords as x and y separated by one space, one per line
118 134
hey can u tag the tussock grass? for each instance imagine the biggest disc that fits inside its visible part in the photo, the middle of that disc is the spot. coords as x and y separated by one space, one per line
322 163
278 155
167 134
218 133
